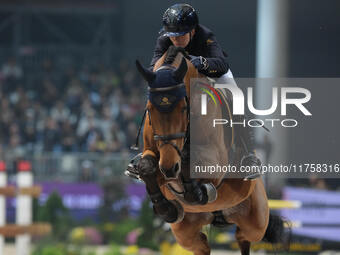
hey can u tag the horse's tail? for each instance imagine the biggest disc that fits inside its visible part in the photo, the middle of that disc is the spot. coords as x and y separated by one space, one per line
276 233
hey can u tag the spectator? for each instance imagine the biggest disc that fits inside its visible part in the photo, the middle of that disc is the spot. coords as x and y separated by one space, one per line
60 113
11 70
51 136
68 138
49 93
69 110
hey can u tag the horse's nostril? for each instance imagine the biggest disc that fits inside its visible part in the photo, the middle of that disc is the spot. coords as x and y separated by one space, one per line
176 168
170 173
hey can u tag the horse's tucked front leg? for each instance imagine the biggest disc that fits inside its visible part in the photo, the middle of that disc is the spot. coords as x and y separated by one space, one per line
188 233
195 193
148 173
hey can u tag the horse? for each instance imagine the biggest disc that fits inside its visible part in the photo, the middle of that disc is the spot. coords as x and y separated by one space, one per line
243 203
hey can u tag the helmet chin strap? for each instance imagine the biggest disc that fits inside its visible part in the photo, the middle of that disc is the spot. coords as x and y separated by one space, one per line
190 37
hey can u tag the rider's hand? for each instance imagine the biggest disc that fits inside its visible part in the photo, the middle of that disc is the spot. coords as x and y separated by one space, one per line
199 62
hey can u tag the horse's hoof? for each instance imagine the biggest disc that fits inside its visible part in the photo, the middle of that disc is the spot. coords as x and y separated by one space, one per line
207 194
132 175
195 193
180 211
170 211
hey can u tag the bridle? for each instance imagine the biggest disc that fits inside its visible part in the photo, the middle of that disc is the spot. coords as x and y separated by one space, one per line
166 139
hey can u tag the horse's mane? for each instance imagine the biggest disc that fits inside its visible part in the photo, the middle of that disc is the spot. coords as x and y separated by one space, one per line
172 53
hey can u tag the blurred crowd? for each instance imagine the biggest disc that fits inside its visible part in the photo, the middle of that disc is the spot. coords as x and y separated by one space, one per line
74 109
77 109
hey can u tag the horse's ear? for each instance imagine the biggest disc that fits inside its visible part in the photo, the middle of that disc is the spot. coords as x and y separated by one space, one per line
180 72
148 75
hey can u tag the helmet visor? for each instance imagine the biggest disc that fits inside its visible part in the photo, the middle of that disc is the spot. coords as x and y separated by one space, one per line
172 34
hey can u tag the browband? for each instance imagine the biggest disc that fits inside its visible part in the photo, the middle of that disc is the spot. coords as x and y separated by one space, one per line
166 88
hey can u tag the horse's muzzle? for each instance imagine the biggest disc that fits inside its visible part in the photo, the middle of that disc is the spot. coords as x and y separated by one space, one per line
171 173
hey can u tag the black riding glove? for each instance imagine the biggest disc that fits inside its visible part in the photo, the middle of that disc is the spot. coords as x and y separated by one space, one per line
199 62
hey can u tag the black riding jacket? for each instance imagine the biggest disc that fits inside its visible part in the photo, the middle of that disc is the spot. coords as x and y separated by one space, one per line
204 44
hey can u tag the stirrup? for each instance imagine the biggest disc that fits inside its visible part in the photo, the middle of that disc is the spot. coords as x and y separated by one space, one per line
132 170
211 191
252 177
255 162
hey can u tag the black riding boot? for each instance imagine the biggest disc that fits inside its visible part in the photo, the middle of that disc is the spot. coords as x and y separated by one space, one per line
194 192
247 142
162 207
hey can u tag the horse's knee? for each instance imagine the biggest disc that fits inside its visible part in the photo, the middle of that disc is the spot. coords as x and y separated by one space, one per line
147 166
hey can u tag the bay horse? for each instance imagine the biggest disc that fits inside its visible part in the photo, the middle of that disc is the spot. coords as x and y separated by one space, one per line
243 203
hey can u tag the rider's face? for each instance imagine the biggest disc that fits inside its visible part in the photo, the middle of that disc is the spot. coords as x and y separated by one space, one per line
183 40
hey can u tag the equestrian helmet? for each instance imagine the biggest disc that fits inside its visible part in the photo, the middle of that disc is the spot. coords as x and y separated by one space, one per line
179 19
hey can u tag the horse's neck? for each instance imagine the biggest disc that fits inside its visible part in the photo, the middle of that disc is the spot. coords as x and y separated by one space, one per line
192 73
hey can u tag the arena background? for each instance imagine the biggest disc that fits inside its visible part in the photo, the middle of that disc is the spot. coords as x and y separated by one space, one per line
71 102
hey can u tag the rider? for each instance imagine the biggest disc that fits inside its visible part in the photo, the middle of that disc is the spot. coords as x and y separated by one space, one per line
182 29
